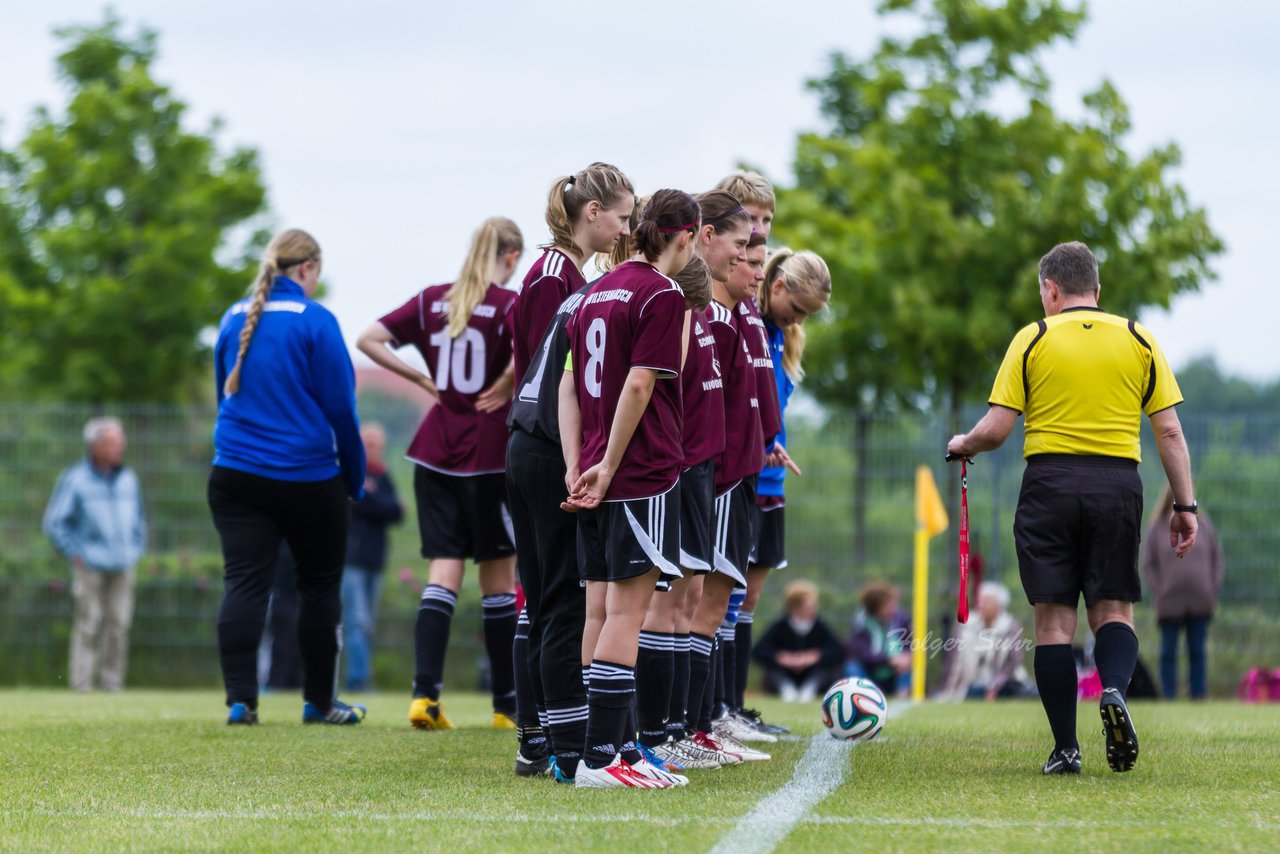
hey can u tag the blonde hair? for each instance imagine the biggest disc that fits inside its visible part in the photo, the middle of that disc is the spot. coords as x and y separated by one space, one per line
800 272
599 182
797 592
624 248
496 236
287 249
750 188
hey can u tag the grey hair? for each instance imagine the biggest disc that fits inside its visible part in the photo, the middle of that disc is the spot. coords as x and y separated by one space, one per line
1073 267
95 427
996 589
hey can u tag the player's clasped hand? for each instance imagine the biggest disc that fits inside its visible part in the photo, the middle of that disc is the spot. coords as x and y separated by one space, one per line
589 489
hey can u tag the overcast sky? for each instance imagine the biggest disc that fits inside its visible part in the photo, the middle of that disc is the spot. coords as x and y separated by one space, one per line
390 130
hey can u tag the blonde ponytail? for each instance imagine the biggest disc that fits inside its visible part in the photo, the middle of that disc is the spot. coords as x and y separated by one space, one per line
800 272
495 236
599 182
287 249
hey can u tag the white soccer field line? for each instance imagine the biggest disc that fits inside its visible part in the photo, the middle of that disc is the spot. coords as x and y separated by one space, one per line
821 770
620 818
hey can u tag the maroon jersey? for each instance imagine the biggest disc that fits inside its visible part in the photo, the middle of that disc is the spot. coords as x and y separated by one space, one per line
752 326
547 284
743 453
703 393
454 438
633 318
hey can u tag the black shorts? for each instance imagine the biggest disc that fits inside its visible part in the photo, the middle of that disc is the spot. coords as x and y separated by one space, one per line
697 514
622 539
1078 528
463 517
735 512
770 550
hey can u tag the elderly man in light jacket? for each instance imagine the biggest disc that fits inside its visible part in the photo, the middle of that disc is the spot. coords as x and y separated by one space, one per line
95 519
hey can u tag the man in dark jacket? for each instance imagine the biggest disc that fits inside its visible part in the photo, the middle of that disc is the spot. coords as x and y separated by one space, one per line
367 557
800 653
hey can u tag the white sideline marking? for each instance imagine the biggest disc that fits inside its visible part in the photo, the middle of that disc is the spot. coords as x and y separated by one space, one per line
625 818
821 770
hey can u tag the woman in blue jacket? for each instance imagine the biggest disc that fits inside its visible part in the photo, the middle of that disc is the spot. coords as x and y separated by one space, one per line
287 461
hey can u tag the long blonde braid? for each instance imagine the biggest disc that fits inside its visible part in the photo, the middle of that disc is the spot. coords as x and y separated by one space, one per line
287 249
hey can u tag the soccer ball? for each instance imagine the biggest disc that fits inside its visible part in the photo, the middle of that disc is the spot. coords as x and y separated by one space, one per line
854 709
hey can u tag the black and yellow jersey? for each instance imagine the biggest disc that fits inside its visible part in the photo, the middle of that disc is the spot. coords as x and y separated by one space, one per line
1083 379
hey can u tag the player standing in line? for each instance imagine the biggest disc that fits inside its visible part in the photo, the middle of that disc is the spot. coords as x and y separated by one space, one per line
588 212
463 332
287 460
796 286
620 420
722 243
662 667
745 278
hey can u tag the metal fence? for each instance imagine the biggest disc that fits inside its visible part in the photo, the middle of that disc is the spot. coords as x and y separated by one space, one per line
1236 462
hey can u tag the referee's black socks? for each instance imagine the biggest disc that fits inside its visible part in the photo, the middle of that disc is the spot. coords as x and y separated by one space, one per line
1056 681
1115 652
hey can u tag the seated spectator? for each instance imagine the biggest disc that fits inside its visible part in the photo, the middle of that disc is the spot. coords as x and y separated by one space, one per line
990 648
800 654
880 643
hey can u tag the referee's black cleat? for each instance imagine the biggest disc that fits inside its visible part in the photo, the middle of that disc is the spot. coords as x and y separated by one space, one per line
1117 727
1063 761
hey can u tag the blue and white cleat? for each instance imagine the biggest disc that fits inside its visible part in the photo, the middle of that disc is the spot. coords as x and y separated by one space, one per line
338 713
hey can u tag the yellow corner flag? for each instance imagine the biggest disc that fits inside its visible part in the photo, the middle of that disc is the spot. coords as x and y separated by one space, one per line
931 520
930 514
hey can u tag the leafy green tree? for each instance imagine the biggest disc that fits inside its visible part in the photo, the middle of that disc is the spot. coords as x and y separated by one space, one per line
123 234
943 177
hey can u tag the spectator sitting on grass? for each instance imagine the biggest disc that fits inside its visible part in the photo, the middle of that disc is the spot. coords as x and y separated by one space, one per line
800 653
989 652
880 644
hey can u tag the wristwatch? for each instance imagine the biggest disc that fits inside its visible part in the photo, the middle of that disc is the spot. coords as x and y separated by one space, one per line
1193 508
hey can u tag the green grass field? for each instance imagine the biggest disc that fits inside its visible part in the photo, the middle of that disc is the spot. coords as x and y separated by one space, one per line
160 770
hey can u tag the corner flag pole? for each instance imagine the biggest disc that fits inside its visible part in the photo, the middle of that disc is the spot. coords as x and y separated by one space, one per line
931 520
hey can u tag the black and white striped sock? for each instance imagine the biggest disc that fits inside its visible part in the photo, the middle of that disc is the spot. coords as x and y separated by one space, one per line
431 639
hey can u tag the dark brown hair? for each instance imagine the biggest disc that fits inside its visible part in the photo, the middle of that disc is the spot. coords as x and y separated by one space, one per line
695 281
722 210
666 214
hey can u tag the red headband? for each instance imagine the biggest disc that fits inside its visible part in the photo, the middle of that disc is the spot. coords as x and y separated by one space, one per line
678 228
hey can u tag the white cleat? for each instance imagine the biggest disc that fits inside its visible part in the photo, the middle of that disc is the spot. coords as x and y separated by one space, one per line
616 775
734 747
663 779
739 729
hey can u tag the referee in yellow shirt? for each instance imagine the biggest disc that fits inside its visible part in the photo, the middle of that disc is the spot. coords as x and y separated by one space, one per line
1083 378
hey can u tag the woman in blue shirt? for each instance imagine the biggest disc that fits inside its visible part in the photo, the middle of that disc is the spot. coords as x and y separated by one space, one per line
287 461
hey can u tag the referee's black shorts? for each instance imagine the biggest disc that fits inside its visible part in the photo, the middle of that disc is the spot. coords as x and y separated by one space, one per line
1078 529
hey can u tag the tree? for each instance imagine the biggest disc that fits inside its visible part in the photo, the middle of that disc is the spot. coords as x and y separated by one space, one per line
123 235
944 176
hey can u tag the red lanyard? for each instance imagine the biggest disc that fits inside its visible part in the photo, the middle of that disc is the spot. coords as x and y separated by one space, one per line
962 613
